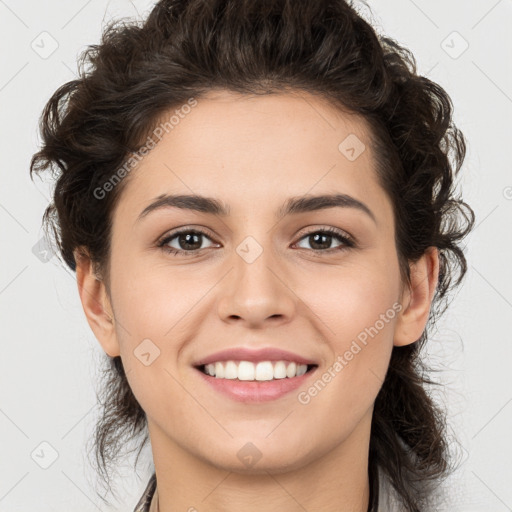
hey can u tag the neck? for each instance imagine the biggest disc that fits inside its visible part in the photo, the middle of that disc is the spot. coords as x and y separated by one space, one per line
336 481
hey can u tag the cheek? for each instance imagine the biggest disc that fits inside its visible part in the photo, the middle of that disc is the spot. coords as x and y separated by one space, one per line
351 298
356 311
357 323
152 301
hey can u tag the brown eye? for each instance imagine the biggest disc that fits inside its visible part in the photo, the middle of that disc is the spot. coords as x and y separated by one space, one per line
321 240
187 241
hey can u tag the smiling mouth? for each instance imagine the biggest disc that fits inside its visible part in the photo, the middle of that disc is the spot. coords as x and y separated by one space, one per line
261 371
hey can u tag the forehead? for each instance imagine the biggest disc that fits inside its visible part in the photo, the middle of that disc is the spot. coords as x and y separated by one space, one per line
250 150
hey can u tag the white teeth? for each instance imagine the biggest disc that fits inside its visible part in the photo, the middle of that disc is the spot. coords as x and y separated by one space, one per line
264 371
246 370
230 370
301 370
219 370
291 370
280 370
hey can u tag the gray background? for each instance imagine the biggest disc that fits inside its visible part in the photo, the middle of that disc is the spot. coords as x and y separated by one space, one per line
49 354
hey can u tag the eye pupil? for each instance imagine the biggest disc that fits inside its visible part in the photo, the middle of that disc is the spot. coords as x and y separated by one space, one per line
316 236
188 237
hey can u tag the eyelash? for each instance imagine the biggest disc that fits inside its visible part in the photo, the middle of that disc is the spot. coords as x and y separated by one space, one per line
347 241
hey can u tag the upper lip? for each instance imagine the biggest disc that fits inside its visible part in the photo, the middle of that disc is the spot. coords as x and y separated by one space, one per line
255 356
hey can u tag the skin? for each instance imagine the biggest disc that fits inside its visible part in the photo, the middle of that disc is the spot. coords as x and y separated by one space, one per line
253 153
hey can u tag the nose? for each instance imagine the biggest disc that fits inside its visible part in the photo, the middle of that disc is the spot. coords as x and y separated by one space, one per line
257 291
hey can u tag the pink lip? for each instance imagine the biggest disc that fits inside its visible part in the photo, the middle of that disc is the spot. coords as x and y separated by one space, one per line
254 356
255 391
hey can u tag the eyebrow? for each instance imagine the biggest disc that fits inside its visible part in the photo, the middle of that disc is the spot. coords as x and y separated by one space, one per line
293 205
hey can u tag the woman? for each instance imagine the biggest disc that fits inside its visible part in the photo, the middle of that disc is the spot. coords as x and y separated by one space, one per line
258 201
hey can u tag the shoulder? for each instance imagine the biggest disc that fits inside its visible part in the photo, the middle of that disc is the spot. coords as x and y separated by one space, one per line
431 495
388 500
144 502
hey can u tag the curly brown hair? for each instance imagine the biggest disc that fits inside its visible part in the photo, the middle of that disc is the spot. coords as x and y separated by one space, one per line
184 49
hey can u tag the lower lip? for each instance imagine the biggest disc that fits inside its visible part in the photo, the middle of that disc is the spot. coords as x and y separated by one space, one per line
256 391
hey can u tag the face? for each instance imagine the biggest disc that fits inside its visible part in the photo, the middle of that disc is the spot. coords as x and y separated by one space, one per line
256 279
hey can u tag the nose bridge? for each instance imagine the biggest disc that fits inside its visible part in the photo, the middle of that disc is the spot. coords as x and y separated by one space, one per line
253 263
257 288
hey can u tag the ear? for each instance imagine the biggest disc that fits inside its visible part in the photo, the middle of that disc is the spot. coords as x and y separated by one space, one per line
95 302
416 300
